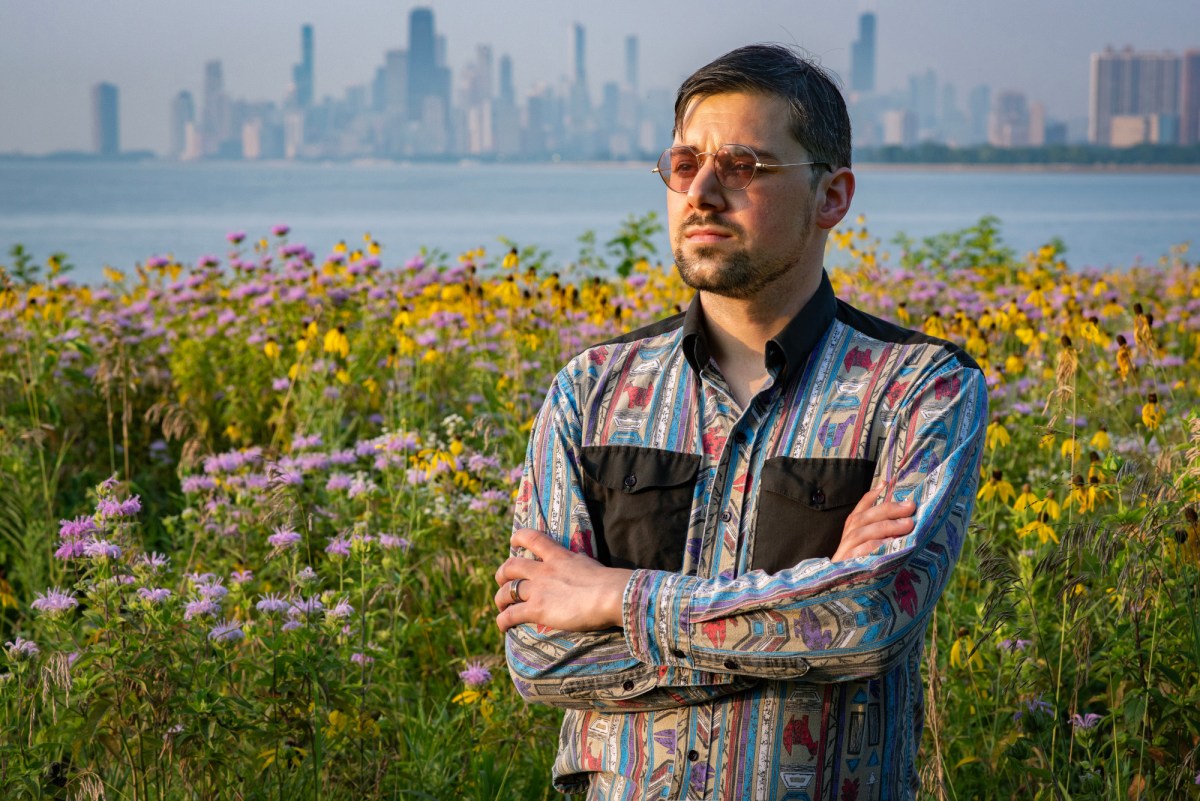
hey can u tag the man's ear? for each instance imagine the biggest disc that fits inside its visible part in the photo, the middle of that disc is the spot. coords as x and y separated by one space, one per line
834 196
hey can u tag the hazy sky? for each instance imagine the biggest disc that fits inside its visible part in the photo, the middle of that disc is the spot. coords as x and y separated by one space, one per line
53 51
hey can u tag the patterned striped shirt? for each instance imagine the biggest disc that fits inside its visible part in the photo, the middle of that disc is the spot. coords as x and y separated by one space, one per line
749 665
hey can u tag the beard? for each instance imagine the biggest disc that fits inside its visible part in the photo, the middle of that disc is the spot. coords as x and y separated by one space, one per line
731 274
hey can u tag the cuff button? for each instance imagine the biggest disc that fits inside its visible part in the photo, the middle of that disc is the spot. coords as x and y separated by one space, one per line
730 664
678 654
628 685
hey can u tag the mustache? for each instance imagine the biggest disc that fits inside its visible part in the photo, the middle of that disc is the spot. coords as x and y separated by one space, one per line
712 219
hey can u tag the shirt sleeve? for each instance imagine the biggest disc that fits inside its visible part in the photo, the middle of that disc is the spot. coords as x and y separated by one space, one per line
593 670
827 621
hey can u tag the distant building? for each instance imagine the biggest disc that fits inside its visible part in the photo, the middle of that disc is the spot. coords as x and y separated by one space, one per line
302 73
862 56
1139 84
979 110
106 125
631 63
183 118
1010 121
428 96
1189 98
899 127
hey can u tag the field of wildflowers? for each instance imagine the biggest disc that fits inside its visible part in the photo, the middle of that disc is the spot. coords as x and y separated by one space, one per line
250 510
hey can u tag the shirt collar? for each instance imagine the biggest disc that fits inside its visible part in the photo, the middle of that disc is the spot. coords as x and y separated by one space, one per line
788 349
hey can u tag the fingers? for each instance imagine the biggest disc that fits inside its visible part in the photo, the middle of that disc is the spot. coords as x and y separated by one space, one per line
536 543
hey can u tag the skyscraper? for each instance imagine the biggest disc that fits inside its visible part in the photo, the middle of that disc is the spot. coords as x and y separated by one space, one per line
422 61
1189 99
579 108
862 55
1139 91
183 115
106 126
214 117
302 73
631 63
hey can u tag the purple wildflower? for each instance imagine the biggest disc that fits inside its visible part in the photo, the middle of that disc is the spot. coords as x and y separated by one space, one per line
1087 721
241 576
281 384
202 606
235 237
193 485
292 625
337 481
22 648
280 230
338 546
152 562
390 542
76 529
1014 645
301 442
272 605
154 595
284 539
308 576
359 658
305 607
227 631
54 602
341 611
362 486
476 675
102 549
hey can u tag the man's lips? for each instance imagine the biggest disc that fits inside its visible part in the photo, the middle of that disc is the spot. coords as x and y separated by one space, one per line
706 233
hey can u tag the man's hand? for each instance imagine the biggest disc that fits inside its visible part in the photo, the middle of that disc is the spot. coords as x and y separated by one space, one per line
564 590
870 526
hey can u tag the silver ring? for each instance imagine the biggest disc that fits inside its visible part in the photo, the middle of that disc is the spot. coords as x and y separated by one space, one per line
514 590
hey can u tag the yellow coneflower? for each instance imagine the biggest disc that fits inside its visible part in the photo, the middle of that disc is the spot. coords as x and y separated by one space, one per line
1094 466
1078 496
1039 527
1101 441
934 325
1047 506
963 652
1125 364
272 349
997 435
1014 365
997 487
336 341
1097 493
1070 449
1152 415
1143 335
1025 500
510 259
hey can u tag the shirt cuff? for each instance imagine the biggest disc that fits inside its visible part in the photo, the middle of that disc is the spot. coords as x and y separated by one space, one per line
656 627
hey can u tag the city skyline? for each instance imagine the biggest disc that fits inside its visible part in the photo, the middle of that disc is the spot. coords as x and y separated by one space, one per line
44 121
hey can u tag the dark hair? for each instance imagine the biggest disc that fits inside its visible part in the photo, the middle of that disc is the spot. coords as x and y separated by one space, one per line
819 119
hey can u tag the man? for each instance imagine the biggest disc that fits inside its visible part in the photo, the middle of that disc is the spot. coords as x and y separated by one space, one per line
700 598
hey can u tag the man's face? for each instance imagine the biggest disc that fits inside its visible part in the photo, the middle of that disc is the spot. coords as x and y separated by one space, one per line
738 242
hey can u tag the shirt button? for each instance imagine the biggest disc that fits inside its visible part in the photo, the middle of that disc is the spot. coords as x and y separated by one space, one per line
678 654
726 516
818 497
693 755
739 438
730 664
630 481
628 685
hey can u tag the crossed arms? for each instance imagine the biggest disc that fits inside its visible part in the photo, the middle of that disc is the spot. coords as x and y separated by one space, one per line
588 636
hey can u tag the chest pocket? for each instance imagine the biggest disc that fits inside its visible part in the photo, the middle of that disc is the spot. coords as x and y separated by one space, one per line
802 506
639 501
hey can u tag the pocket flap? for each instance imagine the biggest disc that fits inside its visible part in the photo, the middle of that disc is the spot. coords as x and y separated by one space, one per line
818 483
631 469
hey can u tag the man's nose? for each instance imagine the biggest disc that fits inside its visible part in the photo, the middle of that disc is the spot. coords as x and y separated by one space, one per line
706 191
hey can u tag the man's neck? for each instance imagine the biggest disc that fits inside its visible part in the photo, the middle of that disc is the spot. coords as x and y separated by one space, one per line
738 329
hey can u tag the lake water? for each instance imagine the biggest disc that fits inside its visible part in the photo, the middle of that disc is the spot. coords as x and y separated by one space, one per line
121 214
